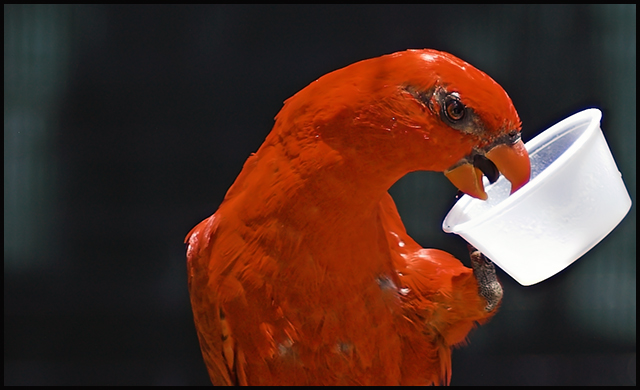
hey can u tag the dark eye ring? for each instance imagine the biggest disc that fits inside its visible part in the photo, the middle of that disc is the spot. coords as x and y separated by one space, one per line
454 110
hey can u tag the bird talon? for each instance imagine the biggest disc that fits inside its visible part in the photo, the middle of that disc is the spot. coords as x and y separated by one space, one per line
485 272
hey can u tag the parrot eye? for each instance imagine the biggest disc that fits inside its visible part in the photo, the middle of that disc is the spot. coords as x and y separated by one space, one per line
453 108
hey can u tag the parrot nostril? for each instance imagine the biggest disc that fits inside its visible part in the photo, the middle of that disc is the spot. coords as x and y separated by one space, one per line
514 136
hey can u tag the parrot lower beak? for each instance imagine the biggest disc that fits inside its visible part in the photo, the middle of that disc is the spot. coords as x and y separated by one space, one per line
510 160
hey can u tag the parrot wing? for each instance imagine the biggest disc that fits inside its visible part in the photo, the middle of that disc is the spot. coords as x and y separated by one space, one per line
439 296
217 344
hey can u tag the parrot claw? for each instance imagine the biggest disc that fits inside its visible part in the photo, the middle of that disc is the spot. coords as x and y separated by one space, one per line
485 272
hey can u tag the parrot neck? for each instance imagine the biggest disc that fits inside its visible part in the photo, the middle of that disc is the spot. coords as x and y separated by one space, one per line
318 182
341 224
315 198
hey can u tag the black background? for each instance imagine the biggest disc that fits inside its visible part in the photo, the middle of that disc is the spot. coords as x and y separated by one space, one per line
125 125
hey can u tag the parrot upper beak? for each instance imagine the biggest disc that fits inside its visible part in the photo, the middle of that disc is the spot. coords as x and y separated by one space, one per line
512 160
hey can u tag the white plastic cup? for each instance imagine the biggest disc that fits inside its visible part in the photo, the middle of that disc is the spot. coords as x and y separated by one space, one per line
574 199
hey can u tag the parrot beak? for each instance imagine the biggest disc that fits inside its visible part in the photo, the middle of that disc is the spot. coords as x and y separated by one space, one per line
512 160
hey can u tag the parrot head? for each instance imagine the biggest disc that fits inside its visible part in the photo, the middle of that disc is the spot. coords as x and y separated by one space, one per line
469 101
420 110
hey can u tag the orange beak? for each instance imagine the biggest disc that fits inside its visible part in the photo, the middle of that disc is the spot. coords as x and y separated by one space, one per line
512 160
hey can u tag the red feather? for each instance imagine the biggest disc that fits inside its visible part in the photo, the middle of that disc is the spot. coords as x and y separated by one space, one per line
305 274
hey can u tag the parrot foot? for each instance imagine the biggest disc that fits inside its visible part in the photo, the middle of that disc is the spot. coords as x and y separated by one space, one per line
485 272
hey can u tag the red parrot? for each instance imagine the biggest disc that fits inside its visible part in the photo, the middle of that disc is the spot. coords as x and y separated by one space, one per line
306 275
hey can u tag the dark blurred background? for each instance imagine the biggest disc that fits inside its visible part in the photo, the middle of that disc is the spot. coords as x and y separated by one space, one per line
125 125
